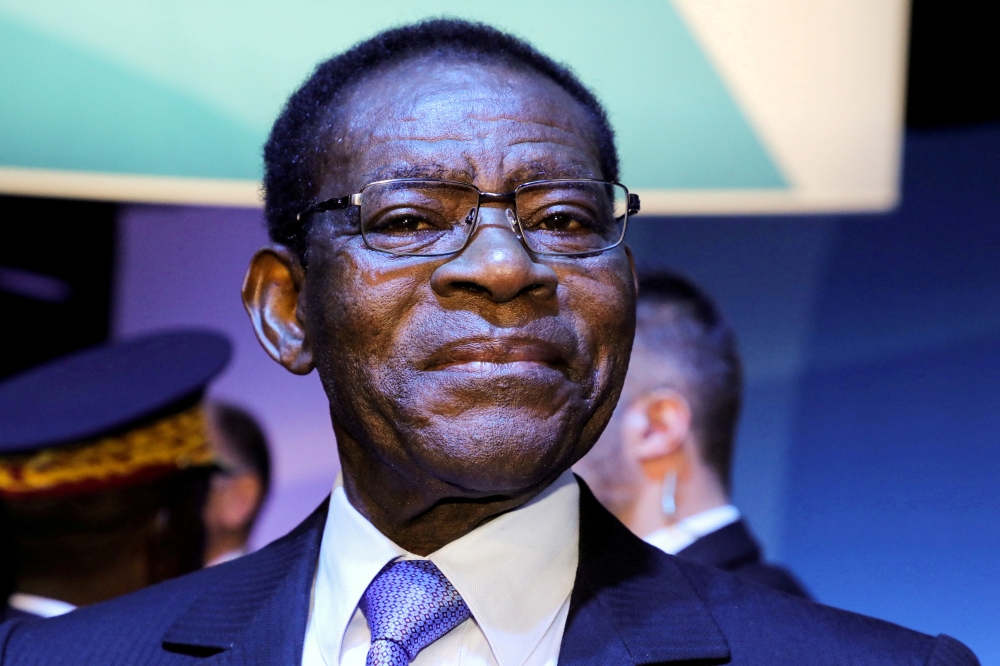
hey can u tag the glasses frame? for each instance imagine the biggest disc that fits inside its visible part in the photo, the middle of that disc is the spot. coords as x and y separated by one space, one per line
342 203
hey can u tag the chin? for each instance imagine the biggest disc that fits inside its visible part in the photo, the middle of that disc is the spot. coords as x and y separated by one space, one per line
495 451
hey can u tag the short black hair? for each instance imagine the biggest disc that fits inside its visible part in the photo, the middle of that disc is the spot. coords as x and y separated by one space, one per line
244 440
677 318
293 152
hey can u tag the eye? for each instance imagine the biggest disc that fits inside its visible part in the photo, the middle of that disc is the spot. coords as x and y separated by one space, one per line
403 224
561 222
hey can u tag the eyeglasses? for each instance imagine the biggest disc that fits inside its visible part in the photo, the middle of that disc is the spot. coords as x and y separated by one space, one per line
429 217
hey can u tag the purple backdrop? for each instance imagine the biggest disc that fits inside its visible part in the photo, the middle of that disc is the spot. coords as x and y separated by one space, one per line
183 267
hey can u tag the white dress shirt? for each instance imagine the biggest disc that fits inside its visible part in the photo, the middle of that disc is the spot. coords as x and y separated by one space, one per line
515 573
672 539
40 606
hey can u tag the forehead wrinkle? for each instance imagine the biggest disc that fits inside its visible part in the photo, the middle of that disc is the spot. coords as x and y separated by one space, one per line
560 127
397 133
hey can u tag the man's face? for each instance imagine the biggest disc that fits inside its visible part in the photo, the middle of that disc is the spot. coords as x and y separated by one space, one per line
491 370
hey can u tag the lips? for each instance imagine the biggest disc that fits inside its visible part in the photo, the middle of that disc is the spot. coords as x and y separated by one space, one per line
496 355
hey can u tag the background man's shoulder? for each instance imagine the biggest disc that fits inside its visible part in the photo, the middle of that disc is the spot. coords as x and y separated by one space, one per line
763 625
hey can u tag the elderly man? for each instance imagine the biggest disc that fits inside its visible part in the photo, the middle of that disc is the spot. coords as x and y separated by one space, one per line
448 257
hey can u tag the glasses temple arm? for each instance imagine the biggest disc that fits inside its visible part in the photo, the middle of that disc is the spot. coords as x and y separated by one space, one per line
337 203
633 204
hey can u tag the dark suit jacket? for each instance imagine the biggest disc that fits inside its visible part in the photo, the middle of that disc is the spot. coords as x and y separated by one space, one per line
8 613
631 604
732 548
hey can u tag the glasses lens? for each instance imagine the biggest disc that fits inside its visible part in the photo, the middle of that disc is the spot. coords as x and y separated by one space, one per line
573 216
417 217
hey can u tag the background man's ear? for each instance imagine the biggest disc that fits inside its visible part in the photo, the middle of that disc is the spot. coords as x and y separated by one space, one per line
271 291
667 417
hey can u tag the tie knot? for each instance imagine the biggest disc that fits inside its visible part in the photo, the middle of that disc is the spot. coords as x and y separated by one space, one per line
411 604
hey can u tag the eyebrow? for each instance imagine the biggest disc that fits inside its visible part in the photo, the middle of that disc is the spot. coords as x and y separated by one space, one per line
421 170
523 173
537 170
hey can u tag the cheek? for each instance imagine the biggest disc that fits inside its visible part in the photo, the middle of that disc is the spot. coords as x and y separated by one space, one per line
360 302
601 297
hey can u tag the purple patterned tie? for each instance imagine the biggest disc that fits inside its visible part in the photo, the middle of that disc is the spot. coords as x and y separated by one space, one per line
409 605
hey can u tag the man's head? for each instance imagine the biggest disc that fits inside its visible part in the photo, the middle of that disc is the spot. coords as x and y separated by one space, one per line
681 400
238 490
300 151
481 374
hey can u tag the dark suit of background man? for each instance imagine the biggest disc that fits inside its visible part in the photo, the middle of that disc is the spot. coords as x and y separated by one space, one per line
104 468
472 346
663 464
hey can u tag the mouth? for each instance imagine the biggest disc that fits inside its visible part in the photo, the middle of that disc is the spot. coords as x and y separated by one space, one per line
497 355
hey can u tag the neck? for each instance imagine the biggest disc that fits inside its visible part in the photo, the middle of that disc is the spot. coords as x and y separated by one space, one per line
698 490
220 542
417 512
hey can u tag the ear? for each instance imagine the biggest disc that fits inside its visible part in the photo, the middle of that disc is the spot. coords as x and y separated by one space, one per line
271 296
236 499
667 417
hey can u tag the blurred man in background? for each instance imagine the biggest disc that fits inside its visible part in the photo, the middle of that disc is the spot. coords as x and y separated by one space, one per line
104 470
663 463
238 490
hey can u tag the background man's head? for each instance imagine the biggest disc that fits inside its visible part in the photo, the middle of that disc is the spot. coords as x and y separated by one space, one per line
238 490
478 374
679 408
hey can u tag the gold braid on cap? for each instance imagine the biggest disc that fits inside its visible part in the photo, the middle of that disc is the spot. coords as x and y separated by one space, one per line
149 451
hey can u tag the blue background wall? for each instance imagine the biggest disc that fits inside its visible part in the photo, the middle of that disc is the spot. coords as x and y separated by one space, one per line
869 453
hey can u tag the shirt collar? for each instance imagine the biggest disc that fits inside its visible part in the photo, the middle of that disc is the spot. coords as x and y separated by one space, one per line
514 572
40 606
674 538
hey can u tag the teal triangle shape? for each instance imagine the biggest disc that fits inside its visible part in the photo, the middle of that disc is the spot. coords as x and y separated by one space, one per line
677 124
65 108
702 138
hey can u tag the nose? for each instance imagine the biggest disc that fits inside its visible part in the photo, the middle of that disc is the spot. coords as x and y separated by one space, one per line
495 263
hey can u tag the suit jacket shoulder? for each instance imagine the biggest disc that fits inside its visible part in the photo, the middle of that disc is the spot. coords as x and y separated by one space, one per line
734 549
631 604
634 604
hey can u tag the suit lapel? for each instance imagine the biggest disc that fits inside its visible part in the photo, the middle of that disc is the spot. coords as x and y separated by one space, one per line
631 604
256 611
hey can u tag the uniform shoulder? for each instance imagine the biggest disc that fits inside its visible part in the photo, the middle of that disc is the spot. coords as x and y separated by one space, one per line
765 625
137 628
133 624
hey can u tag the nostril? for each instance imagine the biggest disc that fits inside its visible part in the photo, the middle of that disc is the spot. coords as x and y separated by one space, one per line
470 286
